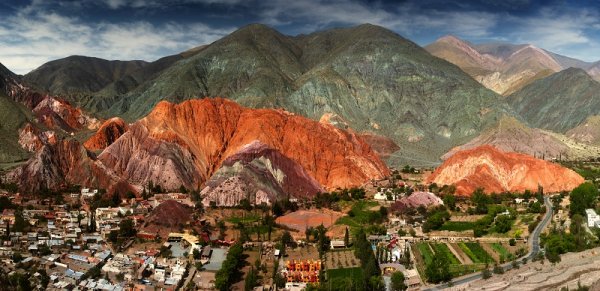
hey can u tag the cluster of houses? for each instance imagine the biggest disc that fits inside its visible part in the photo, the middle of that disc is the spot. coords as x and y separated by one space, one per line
593 219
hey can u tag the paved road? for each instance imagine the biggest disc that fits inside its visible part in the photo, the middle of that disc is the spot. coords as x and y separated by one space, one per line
534 244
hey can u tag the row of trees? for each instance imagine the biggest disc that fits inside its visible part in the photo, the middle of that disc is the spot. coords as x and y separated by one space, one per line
230 271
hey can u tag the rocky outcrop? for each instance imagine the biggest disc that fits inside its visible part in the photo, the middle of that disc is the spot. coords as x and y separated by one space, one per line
371 77
55 166
503 68
587 132
498 171
383 146
108 133
559 102
59 114
32 139
511 135
185 144
259 174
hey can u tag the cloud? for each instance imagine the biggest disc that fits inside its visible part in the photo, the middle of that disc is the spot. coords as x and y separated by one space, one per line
116 4
34 36
570 31
406 18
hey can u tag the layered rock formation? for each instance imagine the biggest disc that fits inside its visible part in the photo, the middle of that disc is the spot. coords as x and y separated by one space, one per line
504 68
498 171
59 114
32 139
259 174
185 144
170 214
587 132
108 133
55 166
511 135
369 76
79 74
558 102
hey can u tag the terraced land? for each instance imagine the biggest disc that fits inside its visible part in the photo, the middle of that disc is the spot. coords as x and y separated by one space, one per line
425 251
475 252
503 253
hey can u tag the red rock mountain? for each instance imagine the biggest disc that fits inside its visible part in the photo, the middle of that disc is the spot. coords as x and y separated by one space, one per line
259 174
186 143
108 133
498 171
56 165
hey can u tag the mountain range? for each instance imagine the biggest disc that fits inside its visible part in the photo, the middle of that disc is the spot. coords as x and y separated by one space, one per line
302 113
374 79
503 67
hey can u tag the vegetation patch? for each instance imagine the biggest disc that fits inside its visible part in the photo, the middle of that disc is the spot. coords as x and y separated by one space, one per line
475 252
442 249
458 226
425 251
503 252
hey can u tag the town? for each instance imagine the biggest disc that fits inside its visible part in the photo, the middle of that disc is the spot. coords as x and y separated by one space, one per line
392 234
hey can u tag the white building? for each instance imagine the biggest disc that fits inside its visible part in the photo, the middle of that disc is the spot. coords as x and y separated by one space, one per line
592 218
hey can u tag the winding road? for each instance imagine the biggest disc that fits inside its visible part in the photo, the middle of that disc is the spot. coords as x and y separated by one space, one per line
534 248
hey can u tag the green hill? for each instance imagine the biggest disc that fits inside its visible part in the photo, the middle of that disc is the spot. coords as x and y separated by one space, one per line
368 75
558 102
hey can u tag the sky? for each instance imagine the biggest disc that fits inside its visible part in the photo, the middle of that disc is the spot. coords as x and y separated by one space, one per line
33 32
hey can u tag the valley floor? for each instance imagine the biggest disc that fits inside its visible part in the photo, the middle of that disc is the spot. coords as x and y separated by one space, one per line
583 267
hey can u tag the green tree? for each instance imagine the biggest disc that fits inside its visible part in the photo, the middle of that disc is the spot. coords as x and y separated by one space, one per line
481 201
346 237
503 223
582 197
196 254
450 201
251 280
438 270
127 228
398 282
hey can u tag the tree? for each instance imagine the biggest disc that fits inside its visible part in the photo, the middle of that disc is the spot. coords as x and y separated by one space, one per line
512 242
196 254
245 204
346 238
481 201
503 223
486 274
251 279
113 236
286 239
127 228
450 201
438 270
582 197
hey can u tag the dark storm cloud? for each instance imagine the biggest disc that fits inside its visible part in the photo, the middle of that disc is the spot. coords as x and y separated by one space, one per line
33 32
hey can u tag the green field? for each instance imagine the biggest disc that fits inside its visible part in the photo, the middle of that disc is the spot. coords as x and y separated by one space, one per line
458 226
442 249
503 252
475 252
335 275
360 215
248 218
425 251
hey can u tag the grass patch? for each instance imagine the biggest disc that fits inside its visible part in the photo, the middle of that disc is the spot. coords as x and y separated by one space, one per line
354 274
459 270
503 252
248 218
475 252
442 249
425 251
360 215
458 226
